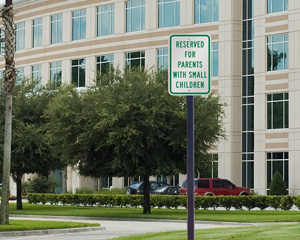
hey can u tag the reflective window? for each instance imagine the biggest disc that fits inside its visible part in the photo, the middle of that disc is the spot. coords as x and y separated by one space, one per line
37 76
215 60
210 168
20 36
106 20
135 15
278 110
206 11
78 72
105 64
278 52
162 58
2 43
278 162
55 73
79 24
277 5
106 182
168 13
56 28
20 75
135 59
37 32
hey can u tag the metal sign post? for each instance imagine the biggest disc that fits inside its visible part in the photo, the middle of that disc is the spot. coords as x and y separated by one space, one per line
189 75
190 169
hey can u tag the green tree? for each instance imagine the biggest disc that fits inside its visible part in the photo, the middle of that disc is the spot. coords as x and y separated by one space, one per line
131 126
277 185
30 151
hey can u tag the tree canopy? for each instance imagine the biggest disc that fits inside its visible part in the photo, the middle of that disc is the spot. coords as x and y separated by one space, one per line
128 125
31 152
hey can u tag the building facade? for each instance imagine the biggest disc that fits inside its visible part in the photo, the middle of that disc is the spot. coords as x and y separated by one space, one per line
255 68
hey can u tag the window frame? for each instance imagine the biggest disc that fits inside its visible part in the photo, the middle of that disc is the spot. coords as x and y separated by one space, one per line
128 17
57 23
36 73
100 62
111 13
270 159
270 110
285 47
128 59
162 58
214 12
55 69
79 67
285 6
161 4
37 27
20 30
82 22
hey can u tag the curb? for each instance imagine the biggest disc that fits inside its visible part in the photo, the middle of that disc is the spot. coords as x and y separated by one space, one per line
49 231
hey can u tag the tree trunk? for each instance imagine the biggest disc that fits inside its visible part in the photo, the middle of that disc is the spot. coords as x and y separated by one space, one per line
147 204
6 162
65 180
19 191
10 79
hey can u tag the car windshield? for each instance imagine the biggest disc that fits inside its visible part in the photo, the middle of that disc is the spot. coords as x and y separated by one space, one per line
135 185
160 189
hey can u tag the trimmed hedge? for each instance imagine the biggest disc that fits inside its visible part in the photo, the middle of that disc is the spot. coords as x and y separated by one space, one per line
201 202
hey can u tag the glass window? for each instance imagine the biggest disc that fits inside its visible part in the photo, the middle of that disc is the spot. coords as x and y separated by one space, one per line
210 168
37 76
206 11
20 36
105 64
20 75
135 15
277 6
215 60
37 32
162 58
106 20
135 59
277 162
2 43
79 24
56 28
278 52
55 73
106 182
78 72
168 13
202 183
278 110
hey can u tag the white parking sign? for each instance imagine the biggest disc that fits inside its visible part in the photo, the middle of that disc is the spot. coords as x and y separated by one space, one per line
189 64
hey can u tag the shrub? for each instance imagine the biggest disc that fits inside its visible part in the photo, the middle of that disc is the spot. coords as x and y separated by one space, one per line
278 186
39 184
250 202
84 191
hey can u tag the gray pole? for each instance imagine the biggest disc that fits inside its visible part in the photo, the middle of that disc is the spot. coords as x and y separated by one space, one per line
190 169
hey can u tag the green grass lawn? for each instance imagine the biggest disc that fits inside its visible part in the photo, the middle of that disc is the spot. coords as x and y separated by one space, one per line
21 225
176 214
270 232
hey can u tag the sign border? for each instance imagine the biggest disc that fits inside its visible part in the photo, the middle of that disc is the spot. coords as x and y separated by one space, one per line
170 65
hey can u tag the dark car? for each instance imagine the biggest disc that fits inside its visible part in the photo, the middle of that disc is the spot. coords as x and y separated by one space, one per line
138 187
167 190
215 186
